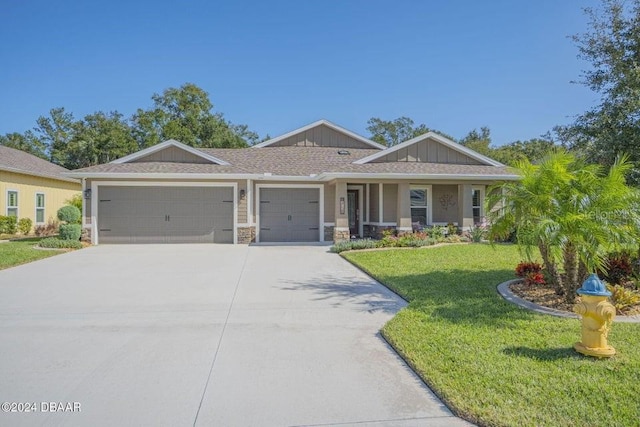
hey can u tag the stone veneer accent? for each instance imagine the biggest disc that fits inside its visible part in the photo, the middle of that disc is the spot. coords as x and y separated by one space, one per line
328 233
85 235
375 231
246 235
341 235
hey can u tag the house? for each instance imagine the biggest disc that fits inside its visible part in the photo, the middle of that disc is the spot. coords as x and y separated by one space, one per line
317 183
31 187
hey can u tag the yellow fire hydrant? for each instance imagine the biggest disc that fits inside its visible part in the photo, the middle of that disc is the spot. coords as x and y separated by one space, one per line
597 315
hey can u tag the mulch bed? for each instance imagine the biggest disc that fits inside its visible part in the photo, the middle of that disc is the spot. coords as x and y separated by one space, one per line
547 297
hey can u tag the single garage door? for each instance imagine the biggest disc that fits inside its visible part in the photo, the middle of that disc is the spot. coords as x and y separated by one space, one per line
289 215
165 214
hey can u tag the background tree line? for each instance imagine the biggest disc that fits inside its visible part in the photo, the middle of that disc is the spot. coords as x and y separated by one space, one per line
599 135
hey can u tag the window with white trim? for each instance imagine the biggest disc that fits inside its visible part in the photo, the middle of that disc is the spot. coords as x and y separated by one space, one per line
419 207
477 196
12 203
39 208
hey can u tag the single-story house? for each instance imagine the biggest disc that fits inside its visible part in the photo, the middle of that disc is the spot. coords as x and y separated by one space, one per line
31 187
317 183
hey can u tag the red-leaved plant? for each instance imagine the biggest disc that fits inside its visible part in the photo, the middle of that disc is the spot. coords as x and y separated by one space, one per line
531 272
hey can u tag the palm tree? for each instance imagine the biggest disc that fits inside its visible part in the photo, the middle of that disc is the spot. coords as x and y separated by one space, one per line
571 212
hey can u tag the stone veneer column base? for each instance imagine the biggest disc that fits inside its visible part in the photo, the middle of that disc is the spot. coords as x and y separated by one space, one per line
85 235
328 233
375 231
341 234
246 235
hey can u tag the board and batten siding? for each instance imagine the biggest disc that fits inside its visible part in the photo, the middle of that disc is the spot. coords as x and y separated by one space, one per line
321 136
329 203
428 151
390 202
173 155
374 214
56 193
445 203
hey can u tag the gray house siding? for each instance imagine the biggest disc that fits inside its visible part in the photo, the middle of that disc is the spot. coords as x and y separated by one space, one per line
321 136
428 151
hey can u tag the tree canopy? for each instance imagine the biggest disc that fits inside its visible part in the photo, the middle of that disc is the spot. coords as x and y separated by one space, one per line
612 48
185 114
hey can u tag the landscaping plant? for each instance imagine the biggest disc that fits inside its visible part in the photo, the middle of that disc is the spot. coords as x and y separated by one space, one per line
24 226
570 212
8 224
71 230
531 272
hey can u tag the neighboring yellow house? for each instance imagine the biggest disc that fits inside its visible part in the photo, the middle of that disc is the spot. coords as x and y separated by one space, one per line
31 187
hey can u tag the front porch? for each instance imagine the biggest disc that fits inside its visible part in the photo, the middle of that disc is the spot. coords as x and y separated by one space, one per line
367 209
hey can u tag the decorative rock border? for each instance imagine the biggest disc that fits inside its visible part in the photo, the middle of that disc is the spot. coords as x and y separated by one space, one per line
505 292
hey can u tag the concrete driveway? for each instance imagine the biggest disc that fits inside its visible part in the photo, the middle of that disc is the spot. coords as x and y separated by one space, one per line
207 335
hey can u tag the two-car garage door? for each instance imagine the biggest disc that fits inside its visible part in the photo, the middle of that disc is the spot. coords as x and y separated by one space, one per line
165 214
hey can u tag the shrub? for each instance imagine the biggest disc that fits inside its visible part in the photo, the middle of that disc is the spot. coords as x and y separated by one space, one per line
24 225
437 232
54 243
619 268
69 214
477 234
623 298
48 229
70 231
531 272
76 201
456 238
8 224
349 245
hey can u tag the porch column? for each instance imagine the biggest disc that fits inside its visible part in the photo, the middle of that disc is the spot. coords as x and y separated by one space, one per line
465 206
403 210
341 228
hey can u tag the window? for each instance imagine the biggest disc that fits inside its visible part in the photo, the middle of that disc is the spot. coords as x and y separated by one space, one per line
477 197
12 203
419 207
39 208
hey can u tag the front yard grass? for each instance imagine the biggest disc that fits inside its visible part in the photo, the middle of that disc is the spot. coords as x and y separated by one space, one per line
22 252
490 361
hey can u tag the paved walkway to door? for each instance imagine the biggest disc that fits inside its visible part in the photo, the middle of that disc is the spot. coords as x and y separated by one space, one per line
207 335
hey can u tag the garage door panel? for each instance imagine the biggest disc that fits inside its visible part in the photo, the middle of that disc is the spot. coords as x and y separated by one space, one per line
289 215
165 214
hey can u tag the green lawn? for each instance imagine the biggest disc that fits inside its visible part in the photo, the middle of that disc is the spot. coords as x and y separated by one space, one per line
492 362
21 252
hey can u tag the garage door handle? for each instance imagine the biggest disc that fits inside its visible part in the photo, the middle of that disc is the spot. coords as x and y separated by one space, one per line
265 229
289 218
313 228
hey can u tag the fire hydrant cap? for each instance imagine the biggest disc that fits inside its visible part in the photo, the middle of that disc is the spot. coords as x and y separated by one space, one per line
593 286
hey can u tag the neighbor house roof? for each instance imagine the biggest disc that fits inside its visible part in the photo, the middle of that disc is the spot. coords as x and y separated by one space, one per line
12 160
315 162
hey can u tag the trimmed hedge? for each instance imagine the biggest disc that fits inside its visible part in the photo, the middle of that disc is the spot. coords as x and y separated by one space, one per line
69 214
70 231
55 243
8 224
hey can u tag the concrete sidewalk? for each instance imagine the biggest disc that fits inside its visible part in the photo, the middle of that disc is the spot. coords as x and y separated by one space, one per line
205 335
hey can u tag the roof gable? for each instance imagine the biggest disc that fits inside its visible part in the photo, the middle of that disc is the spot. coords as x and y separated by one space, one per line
322 133
429 148
171 151
14 160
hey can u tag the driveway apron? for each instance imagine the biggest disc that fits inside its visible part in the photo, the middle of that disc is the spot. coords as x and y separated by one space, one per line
206 335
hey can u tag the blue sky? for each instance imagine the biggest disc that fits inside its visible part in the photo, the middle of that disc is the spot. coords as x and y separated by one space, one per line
278 65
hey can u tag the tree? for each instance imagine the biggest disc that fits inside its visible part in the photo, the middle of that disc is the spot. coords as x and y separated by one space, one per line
55 132
478 141
533 150
185 114
570 211
612 47
392 132
27 142
99 138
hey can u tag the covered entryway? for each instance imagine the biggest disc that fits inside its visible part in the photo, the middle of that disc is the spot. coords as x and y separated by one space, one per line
289 215
157 214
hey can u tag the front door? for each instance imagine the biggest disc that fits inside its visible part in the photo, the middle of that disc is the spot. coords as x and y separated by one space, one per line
354 212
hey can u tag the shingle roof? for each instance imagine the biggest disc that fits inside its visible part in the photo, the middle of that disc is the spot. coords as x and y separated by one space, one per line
296 161
19 161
